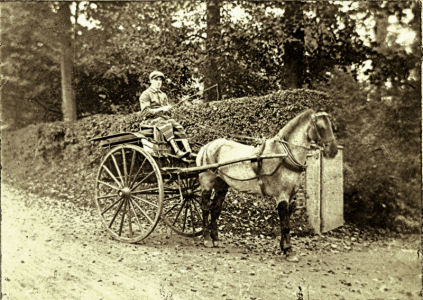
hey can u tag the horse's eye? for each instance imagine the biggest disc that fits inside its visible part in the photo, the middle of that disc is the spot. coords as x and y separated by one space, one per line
334 127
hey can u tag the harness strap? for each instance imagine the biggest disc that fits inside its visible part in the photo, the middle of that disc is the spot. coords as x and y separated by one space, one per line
254 177
290 161
258 167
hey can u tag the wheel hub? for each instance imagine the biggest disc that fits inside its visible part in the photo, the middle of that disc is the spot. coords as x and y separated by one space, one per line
125 192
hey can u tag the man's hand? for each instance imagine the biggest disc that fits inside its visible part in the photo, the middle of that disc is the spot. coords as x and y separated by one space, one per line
185 100
161 109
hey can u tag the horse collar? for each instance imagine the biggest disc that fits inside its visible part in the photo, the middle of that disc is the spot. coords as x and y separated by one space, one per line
290 161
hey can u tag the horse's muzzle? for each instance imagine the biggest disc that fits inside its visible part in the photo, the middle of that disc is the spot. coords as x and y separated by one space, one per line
330 150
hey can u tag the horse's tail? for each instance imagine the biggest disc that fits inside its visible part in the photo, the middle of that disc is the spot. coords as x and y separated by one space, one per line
206 158
200 156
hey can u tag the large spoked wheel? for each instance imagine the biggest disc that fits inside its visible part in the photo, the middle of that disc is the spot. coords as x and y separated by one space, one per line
182 206
129 193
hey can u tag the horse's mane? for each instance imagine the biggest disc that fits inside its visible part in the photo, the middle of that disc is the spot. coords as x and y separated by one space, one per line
287 130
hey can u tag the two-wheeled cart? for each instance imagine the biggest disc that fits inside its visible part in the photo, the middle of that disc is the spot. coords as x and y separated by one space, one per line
140 181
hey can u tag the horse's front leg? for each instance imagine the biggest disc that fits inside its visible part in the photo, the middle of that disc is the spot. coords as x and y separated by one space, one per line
284 216
285 208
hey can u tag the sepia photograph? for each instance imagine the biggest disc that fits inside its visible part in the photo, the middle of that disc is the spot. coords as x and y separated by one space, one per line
216 149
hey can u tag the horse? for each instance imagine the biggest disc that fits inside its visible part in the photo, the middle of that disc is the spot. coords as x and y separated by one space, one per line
277 177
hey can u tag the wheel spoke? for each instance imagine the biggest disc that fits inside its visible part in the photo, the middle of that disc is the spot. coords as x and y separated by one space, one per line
145 190
110 206
117 168
179 212
196 209
117 212
170 208
109 185
138 171
131 233
185 217
135 214
134 153
125 170
107 196
171 191
112 175
149 174
143 200
195 185
192 217
143 212
123 217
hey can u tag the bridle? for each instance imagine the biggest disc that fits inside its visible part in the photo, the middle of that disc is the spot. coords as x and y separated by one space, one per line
319 140
290 161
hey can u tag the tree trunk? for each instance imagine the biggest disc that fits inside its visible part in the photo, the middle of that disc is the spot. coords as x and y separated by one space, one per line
66 64
211 74
294 58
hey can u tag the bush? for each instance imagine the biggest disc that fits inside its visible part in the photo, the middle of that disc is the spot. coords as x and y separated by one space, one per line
381 156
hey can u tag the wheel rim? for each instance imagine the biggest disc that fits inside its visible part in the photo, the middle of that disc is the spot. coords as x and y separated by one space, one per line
129 193
182 206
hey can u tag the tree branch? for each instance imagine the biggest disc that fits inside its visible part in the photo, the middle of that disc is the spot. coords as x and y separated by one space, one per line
44 106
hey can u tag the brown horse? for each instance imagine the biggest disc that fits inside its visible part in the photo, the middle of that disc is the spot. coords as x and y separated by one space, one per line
277 177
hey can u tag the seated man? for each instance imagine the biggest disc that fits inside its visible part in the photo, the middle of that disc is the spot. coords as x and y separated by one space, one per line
155 102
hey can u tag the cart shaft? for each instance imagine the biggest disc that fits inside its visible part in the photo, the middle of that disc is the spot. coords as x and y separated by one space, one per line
229 162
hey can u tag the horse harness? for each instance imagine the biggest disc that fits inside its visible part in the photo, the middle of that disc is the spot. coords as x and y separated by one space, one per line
289 161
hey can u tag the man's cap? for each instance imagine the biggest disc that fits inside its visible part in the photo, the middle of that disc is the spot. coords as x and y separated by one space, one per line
156 74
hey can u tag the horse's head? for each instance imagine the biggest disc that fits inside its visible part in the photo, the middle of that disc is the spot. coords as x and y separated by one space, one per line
320 131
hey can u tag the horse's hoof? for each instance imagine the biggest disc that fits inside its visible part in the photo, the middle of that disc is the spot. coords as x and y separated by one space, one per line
216 244
208 244
287 251
292 258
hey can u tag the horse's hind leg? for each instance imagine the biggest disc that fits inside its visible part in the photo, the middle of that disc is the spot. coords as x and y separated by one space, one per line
205 208
207 182
221 188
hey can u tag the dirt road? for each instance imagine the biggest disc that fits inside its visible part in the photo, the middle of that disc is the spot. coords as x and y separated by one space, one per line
54 250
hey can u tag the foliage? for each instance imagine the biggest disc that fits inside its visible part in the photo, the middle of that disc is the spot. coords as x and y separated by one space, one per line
381 155
259 45
36 55
256 117
130 39
391 60
30 63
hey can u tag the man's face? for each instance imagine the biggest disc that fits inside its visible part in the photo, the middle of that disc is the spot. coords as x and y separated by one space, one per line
156 82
